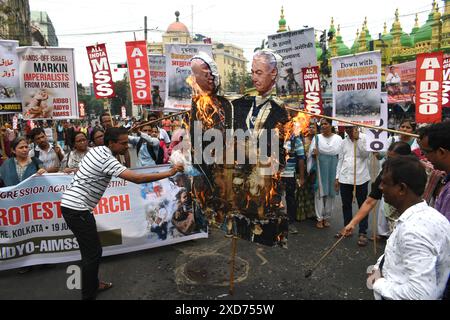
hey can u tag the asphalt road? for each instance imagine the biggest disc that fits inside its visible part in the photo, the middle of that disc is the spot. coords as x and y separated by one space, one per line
200 269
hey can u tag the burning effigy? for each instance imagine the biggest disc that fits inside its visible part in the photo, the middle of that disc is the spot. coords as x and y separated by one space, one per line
238 152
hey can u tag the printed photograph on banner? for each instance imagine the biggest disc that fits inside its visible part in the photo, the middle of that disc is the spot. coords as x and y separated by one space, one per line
10 94
178 70
357 87
129 217
157 65
47 81
297 48
401 84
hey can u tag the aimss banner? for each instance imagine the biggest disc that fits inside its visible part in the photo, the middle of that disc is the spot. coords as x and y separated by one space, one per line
130 217
47 81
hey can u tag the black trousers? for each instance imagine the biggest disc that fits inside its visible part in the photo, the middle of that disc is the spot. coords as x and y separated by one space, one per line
291 203
83 226
347 199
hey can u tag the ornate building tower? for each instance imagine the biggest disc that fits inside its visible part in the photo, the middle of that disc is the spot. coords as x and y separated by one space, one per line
445 33
282 22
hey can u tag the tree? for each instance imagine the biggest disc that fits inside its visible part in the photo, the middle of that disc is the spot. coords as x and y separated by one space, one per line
122 98
92 105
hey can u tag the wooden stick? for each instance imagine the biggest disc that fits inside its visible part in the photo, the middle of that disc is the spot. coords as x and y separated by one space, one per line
309 272
355 123
232 263
159 119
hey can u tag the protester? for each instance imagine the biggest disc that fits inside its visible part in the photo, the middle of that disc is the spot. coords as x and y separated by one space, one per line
293 175
147 144
81 197
60 135
353 155
435 145
20 166
399 148
322 163
163 135
73 158
44 151
108 122
305 195
97 136
408 126
416 262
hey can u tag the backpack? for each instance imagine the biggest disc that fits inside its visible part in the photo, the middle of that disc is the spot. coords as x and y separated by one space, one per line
158 159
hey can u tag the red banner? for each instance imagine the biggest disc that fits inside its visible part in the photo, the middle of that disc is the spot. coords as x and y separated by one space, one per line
429 87
101 72
139 72
446 82
313 95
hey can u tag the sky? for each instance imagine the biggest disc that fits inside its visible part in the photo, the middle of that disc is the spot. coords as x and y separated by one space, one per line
242 23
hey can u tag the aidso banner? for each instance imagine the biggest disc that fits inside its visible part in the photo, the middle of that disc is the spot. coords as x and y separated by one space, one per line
377 140
10 97
129 217
101 71
47 81
357 87
429 87
158 75
297 48
178 69
139 73
313 92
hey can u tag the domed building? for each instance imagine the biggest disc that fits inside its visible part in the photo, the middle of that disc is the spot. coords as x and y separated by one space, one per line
177 32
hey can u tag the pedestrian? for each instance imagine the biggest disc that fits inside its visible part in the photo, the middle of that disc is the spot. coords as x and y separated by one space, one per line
353 173
83 194
323 154
416 261
44 151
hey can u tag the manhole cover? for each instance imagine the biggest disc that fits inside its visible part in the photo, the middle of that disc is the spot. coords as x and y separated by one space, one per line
215 269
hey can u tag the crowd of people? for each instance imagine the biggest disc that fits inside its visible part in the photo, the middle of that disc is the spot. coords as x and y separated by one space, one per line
316 166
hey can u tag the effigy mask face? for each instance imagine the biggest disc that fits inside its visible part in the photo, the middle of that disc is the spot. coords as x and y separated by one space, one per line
203 76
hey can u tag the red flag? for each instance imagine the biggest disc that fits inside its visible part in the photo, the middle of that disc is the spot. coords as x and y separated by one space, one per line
313 95
98 59
429 87
139 72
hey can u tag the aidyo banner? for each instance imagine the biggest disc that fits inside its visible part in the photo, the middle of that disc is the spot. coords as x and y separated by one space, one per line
129 217
47 81
357 88
10 94
377 140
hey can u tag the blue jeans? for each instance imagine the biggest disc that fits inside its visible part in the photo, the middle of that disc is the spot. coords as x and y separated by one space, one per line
347 199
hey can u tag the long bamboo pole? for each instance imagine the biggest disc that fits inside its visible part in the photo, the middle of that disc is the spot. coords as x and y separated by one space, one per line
355 123
159 119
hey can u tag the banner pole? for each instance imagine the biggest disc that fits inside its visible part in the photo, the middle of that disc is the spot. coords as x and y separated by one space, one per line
354 169
232 263
354 123
159 119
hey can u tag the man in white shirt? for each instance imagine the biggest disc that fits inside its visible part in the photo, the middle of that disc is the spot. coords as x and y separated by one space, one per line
163 135
416 260
347 177
44 151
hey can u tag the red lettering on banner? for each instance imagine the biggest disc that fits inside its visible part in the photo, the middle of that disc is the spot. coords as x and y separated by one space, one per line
113 204
101 73
30 212
429 87
139 72
313 95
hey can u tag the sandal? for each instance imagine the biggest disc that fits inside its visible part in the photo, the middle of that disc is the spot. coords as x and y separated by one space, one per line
103 286
319 224
326 224
362 240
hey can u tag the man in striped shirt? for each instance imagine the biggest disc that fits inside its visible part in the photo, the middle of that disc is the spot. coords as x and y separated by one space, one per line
85 191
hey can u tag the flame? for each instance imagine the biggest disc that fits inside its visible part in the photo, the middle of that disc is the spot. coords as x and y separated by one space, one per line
297 125
207 106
